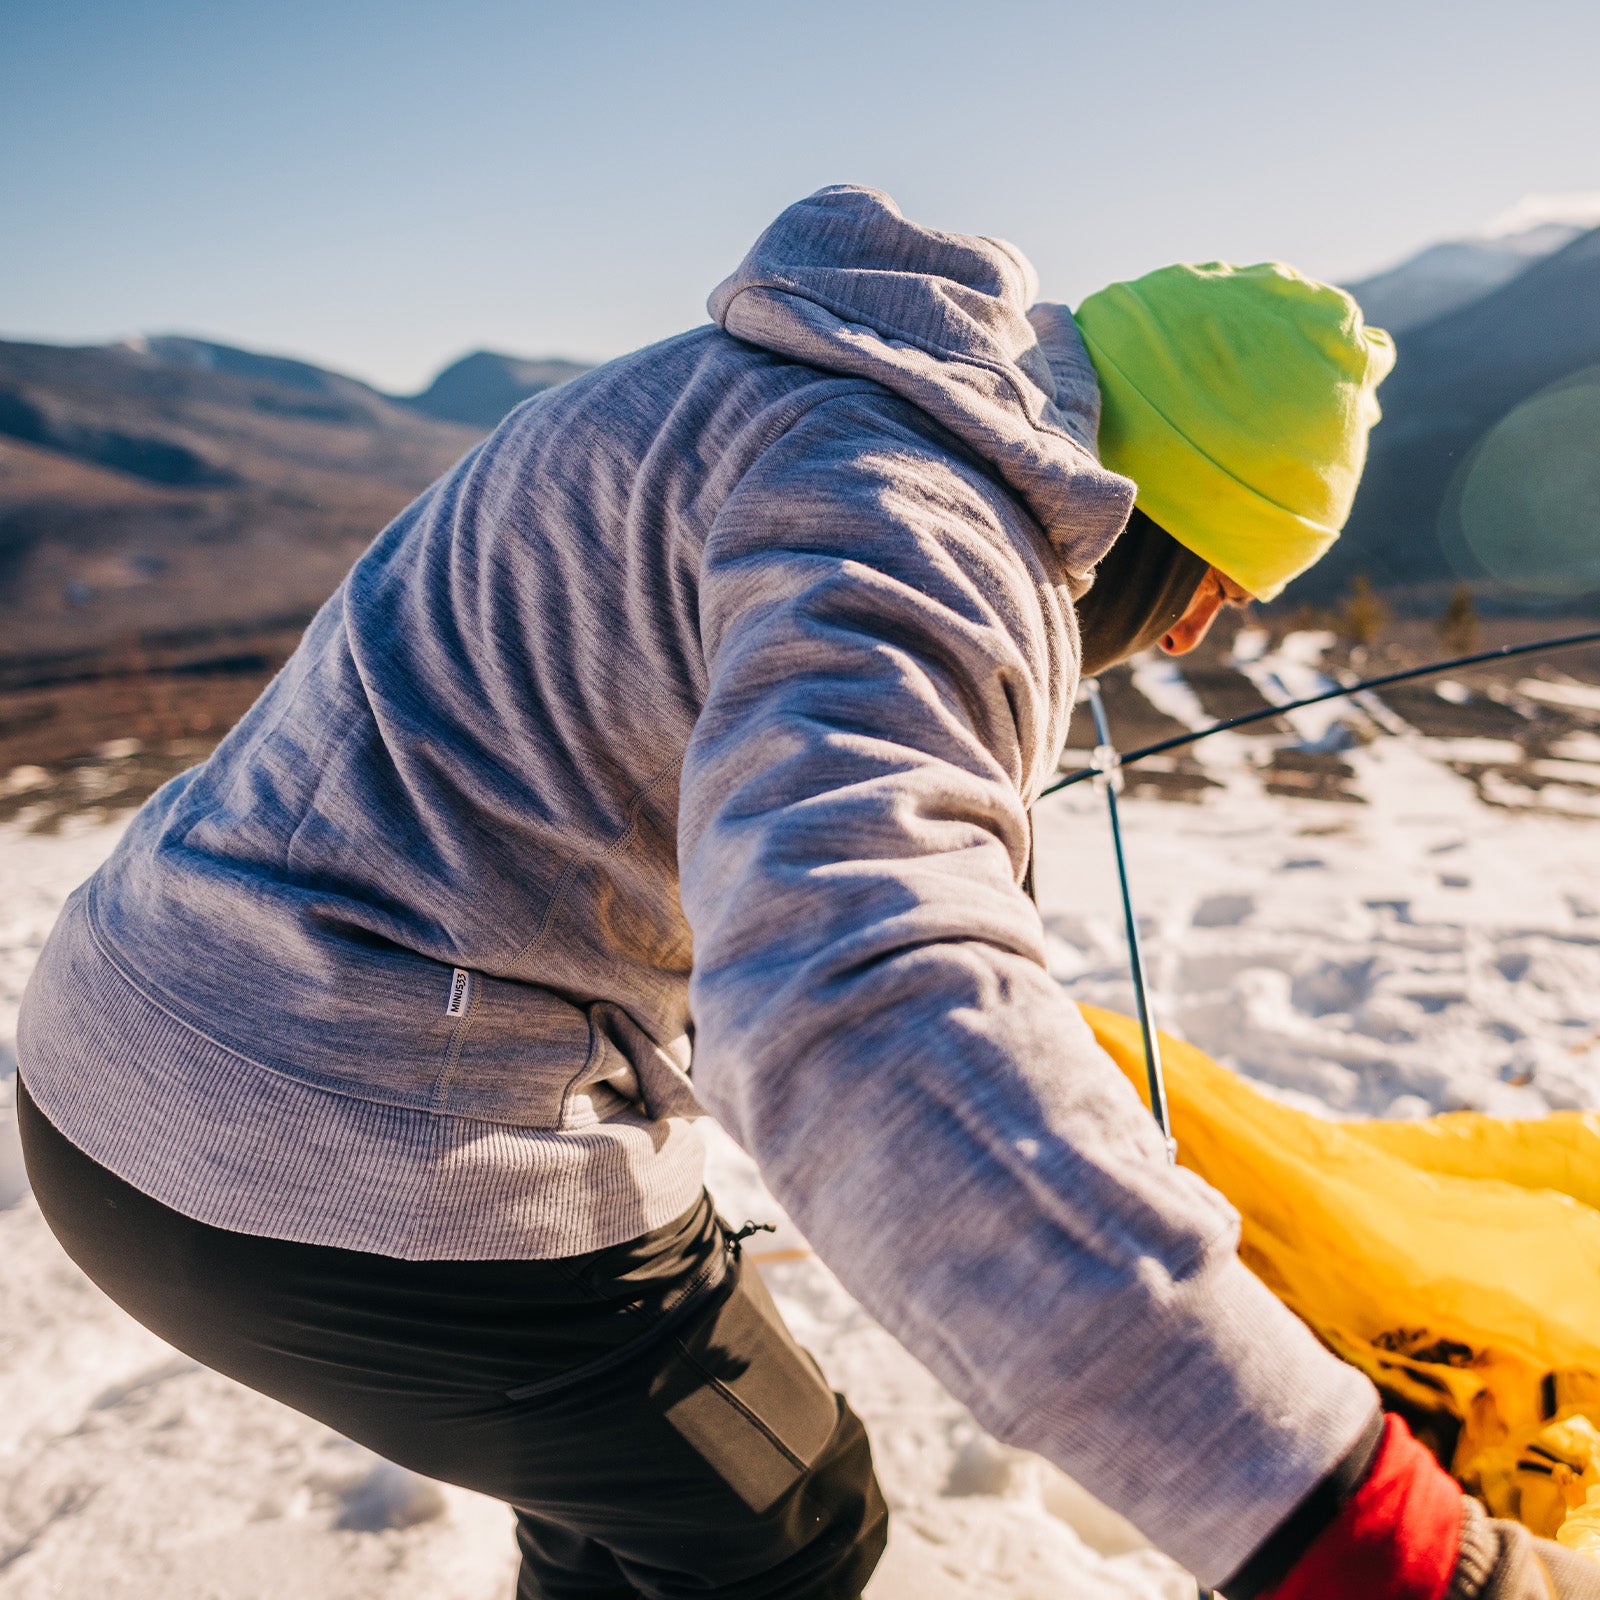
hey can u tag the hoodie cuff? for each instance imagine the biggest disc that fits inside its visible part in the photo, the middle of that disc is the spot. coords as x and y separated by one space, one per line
1398 1537
1295 1535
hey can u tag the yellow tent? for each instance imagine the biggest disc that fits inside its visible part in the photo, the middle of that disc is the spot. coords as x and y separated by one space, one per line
1456 1261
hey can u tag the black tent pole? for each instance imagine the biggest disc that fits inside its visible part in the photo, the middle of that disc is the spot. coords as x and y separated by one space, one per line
1504 653
1108 779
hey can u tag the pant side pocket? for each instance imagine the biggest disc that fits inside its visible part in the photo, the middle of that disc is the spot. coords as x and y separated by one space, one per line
748 1399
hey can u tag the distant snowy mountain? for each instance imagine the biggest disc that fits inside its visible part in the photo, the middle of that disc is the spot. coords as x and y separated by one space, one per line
1580 210
1446 276
1459 377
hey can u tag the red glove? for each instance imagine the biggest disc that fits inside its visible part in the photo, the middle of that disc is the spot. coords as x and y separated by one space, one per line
1397 1538
1406 1532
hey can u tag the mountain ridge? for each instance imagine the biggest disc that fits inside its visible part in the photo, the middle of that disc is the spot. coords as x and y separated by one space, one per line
1457 377
139 496
1444 276
175 485
482 386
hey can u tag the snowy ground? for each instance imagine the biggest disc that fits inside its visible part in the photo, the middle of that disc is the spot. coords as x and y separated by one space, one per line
1426 941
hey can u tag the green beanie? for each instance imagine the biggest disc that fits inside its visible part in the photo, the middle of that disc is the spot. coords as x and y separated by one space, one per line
1239 400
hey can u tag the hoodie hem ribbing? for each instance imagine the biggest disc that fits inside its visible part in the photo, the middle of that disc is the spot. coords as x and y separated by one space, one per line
233 1145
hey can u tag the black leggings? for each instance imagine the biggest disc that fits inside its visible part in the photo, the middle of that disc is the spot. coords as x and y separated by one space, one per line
643 1408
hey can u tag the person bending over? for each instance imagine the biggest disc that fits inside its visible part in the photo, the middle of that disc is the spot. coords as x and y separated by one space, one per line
673 754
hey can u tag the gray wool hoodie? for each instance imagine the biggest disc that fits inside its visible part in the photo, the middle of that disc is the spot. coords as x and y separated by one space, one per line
674 752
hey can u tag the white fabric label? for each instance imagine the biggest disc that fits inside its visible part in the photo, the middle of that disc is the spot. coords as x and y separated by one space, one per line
460 992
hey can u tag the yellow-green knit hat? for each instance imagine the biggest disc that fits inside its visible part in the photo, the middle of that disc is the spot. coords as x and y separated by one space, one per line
1239 400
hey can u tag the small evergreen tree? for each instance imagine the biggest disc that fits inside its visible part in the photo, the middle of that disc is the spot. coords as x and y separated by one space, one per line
1365 616
1460 632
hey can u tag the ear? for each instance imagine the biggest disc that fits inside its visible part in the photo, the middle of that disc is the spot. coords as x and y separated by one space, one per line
1195 623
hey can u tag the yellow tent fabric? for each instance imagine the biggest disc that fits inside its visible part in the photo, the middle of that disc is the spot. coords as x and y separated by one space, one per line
1456 1261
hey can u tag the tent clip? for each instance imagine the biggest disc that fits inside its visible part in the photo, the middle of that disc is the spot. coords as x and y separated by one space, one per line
1107 766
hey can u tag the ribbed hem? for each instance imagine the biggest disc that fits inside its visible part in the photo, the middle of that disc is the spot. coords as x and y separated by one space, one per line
234 1144
1480 1553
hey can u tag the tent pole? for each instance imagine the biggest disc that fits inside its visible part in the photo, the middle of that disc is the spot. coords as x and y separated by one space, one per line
1108 779
1180 741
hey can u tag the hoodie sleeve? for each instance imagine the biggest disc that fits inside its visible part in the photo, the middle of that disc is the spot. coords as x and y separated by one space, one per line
875 1024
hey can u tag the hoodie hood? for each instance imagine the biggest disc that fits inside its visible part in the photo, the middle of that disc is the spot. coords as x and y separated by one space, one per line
843 282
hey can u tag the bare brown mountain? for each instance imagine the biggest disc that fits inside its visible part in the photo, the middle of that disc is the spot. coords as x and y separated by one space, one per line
142 498
480 388
170 517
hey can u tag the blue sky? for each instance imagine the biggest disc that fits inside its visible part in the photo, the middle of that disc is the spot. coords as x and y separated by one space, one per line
381 186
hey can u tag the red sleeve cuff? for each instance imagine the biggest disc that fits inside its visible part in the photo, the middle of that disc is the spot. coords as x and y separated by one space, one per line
1397 1537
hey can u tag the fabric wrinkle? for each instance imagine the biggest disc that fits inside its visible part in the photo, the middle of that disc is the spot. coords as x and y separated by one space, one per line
738 745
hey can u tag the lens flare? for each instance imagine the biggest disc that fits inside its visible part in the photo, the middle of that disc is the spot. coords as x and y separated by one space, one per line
1525 506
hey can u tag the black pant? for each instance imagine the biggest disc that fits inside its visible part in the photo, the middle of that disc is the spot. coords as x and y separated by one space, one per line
643 1408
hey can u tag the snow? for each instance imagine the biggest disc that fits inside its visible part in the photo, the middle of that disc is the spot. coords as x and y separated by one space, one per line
1426 949
1583 696
1442 277
1353 959
1577 210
